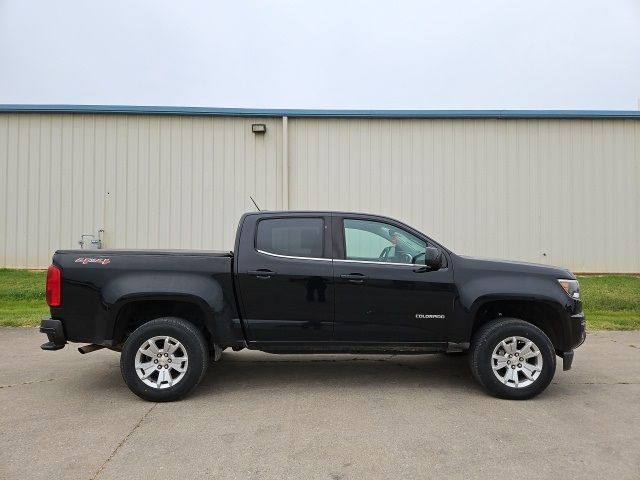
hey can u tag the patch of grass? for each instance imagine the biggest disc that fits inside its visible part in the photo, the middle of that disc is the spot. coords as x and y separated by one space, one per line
22 300
611 302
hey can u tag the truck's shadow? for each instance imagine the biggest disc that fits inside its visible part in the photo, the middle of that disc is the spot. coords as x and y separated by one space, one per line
240 373
353 372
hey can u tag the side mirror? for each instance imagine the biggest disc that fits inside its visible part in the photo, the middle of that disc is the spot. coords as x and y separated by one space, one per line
433 258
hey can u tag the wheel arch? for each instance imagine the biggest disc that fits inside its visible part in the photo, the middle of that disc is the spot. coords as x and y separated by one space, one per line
131 312
543 313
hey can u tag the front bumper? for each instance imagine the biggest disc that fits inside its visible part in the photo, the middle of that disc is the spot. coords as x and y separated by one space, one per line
577 329
55 333
577 334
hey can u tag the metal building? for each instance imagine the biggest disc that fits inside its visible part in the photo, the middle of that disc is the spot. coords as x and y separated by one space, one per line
558 187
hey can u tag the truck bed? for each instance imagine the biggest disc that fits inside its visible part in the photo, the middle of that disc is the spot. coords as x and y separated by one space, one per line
98 284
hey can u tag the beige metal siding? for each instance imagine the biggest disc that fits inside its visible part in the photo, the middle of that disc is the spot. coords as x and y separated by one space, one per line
148 181
563 192
47 187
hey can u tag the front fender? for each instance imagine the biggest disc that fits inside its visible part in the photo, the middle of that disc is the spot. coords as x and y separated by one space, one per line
478 292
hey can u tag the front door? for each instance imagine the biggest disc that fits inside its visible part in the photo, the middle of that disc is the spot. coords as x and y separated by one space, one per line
285 276
382 295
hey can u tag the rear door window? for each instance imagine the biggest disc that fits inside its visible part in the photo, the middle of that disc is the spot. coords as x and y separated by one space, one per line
292 237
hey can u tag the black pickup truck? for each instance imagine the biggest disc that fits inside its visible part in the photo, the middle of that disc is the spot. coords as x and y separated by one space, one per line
314 282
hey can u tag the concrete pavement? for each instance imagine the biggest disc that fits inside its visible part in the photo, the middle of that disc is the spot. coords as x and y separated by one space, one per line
261 416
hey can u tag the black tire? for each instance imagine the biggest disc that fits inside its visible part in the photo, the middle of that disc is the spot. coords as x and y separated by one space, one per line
194 344
487 339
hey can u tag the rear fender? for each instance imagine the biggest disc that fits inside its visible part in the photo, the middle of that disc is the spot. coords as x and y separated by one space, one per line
200 290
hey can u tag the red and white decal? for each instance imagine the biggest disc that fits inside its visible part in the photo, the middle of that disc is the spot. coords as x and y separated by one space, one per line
84 261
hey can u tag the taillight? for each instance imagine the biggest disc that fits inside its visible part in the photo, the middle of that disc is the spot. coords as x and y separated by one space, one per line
53 286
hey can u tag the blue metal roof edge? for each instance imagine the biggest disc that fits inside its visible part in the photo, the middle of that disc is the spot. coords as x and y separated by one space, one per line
257 112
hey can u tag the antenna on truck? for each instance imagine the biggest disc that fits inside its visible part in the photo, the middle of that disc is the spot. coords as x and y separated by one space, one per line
254 202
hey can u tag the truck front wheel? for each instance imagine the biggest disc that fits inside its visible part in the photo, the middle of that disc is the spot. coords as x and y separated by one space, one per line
512 358
164 359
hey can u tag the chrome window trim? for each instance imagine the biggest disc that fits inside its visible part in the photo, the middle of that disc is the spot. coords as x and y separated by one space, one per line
380 263
292 257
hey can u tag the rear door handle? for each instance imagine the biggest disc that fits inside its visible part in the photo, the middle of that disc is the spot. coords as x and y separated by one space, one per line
262 274
354 277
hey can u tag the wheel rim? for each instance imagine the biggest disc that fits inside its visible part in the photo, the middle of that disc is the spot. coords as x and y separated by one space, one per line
516 362
161 362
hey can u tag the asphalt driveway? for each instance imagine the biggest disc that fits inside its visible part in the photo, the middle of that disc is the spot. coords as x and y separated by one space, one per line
65 415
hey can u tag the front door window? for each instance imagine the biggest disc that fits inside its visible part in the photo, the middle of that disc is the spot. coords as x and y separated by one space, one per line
370 241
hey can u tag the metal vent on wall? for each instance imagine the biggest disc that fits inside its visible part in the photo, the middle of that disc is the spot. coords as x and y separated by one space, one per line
90 241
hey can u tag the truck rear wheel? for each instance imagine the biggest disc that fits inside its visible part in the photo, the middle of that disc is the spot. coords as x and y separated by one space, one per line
512 359
164 359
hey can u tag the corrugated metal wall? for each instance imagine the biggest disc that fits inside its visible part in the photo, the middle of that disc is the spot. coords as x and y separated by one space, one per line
564 192
148 181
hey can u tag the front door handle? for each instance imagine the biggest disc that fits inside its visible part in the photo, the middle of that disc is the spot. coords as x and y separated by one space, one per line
354 277
263 273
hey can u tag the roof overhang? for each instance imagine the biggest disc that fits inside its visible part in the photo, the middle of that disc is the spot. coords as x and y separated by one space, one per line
303 113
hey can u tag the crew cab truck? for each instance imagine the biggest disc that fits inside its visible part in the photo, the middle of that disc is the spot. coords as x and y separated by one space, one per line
314 282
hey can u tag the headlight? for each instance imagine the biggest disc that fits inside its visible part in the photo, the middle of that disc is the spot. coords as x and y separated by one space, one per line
571 287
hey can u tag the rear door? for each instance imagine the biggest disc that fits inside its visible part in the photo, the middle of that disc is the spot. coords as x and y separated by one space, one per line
285 277
382 294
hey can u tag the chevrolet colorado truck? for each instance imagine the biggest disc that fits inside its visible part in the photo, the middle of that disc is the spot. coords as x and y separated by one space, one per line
314 282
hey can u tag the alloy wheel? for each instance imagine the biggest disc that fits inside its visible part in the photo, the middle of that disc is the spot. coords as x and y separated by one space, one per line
516 362
161 362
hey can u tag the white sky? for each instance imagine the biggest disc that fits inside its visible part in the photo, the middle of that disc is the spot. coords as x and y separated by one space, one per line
512 54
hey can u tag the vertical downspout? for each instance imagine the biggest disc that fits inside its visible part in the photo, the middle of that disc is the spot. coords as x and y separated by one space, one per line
285 163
